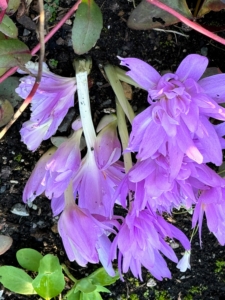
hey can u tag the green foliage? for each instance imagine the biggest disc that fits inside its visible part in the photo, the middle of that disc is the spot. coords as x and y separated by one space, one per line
29 259
162 295
53 63
220 265
89 288
86 27
50 7
49 280
193 291
13 53
134 297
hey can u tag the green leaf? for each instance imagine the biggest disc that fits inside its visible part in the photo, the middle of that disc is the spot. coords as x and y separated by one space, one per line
71 295
91 296
101 277
86 27
144 16
12 53
102 289
50 281
8 27
16 280
7 90
85 285
13 5
29 259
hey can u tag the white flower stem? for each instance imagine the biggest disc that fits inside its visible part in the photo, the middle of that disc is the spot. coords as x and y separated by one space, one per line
82 69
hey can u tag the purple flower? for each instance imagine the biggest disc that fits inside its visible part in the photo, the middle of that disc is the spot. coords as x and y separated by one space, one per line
64 163
181 105
101 172
50 104
211 202
141 240
54 170
85 237
35 185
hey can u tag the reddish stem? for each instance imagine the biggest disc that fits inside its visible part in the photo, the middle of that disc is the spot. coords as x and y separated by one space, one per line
48 36
3 6
188 22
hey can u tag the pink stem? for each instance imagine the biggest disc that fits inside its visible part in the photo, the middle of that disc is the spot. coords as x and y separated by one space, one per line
48 36
188 22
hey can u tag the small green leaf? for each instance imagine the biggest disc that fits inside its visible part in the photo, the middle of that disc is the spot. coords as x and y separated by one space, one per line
29 259
16 280
50 281
12 53
92 296
8 27
85 285
12 6
7 90
101 277
86 27
102 289
71 295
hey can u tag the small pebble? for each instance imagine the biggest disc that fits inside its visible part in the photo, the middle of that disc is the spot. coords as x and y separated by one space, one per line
151 282
20 210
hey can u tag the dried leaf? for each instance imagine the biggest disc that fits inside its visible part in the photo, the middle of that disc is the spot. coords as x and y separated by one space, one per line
6 112
147 16
210 5
5 243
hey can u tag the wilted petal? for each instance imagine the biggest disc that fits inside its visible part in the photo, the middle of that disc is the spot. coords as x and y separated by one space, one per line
184 263
145 75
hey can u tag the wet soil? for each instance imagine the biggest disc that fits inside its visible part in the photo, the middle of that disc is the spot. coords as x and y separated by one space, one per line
164 51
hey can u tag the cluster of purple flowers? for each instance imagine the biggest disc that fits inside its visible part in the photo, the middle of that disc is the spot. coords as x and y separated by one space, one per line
174 140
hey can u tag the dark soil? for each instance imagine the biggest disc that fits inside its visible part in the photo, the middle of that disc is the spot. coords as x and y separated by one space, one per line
163 50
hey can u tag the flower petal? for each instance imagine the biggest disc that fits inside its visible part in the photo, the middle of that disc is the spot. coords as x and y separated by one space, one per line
192 66
145 75
214 87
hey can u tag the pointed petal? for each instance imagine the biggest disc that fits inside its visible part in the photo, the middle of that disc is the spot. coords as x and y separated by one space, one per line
192 66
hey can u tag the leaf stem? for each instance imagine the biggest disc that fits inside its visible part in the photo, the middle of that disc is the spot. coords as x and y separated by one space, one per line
65 269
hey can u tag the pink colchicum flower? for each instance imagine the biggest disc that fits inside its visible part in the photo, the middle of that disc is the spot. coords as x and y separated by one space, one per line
54 170
99 171
50 104
181 105
85 237
140 240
